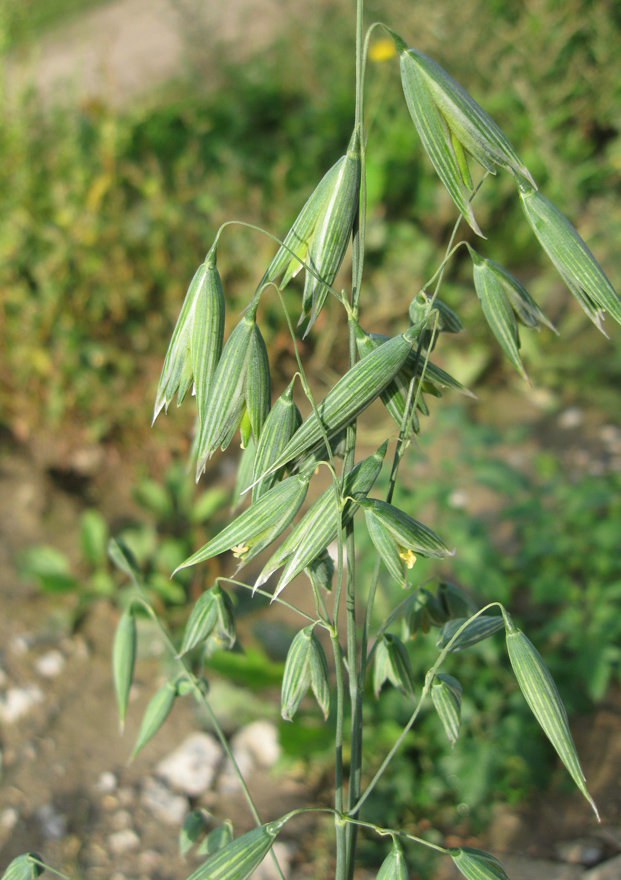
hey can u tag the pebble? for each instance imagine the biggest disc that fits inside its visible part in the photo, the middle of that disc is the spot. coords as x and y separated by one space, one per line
107 782
53 823
166 806
121 820
609 870
192 768
254 746
50 664
9 819
18 702
126 796
267 869
149 861
123 841
572 417
586 851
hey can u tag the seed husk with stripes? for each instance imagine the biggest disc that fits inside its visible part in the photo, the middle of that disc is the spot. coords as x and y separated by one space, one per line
281 424
446 696
392 663
24 867
541 694
394 866
319 526
476 864
478 629
352 394
306 667
408 533
212 612
242 396
260 524
574 261
238 859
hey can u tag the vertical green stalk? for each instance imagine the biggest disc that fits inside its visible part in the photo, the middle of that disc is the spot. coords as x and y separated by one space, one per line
352 652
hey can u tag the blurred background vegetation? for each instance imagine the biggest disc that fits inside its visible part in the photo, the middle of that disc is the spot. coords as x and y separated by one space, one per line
107 210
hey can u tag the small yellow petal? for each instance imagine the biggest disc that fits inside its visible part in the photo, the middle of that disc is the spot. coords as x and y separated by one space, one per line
408 557
239 550
382 50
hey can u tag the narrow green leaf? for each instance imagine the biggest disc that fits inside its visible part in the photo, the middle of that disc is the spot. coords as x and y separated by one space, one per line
123 660
541 694
476 864
574 261
446 697
238 859
94 536
478 629
124 559
155 715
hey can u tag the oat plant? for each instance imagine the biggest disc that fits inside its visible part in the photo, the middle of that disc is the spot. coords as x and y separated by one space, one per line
230 381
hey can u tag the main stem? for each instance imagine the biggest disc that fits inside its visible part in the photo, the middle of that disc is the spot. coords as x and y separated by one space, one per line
355 693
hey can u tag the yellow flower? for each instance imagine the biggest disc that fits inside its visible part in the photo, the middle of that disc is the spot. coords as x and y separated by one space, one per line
408 557
239 550
382 50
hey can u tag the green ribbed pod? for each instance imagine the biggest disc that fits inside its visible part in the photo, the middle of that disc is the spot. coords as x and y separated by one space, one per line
238 859
541 694
280 426
450 123
212 614
242 396
260 524
306 667
196 343
476 864
319 526
350 396
574 261
446 696
409 535
478 629
394 866
24 867
392 663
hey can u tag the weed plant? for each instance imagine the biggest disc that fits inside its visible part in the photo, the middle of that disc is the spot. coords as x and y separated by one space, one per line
231 382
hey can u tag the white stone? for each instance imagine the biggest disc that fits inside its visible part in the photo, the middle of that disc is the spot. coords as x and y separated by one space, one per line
9 819
18 702
121 820
608 870
165 805
51 664
53 823
586 851
255 746
107 782
123 841
572 417
193 766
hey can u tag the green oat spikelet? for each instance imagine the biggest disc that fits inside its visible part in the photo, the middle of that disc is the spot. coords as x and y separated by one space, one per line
306 667
541 694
